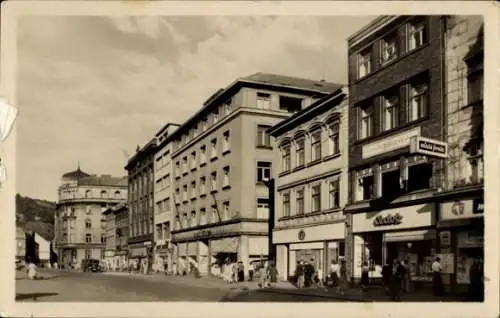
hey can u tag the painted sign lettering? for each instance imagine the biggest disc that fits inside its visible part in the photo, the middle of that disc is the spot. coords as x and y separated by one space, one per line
388 220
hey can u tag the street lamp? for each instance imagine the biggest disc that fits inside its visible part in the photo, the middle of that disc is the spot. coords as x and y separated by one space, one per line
270 184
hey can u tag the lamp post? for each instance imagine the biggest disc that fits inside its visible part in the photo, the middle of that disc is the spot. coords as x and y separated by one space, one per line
270 184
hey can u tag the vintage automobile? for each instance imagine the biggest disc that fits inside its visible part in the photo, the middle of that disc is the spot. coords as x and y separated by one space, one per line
91 265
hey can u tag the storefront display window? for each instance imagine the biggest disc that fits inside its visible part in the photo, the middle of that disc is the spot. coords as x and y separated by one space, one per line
372 252
469 247
419 254
306 255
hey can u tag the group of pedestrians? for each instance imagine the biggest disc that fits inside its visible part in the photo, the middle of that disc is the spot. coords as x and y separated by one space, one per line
233 272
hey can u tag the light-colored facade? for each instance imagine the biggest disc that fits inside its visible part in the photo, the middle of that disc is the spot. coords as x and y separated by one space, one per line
163 209
222 156
311 185
461 203
79 224
121 238
43 248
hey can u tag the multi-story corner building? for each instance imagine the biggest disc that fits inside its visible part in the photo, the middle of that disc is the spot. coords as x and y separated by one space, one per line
79 225
461 207
140 170
312 185
163 199
396 153
222 155
121 238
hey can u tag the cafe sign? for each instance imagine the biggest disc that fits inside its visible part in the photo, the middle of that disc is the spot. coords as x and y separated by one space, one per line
430 147
389 219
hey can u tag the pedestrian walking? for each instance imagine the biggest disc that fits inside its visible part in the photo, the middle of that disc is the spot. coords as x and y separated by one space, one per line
342 282
396 278
437 280
251 269
364 275
299 274
32 274
241 272
272 274
263 275
406 277
334 273
234 272
476 286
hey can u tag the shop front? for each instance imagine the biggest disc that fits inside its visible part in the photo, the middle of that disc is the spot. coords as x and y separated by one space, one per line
461 234
319 245
406 233
205 250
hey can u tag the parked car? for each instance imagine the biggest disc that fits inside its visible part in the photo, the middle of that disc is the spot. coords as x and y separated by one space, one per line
91 265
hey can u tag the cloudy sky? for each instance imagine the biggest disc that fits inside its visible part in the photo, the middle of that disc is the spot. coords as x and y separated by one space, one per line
91 89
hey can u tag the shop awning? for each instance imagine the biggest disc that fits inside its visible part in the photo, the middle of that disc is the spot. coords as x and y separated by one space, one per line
406 236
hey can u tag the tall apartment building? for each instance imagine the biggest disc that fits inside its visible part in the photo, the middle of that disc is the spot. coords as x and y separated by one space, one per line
461 203
396 154
222 155
163 210
312 185
116 231
79 224
140 170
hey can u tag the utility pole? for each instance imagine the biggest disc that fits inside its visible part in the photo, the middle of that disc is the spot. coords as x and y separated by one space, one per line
270 184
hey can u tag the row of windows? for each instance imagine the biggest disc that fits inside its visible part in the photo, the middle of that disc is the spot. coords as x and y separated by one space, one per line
163 205
315 147
315 191
162 160
203 185
411 98
211 119
192 219
191 163
163 182
163 231
89 238
393 178
286 103
389 48
141 228
140 182
90 194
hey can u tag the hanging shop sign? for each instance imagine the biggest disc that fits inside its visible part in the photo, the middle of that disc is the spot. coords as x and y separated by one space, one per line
389 219
478 206
430 147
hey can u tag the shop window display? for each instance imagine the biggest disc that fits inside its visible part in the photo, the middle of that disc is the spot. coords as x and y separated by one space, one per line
419 254
469 248
372 254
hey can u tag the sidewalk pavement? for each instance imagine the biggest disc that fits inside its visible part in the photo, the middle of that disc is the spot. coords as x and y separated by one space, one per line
372 293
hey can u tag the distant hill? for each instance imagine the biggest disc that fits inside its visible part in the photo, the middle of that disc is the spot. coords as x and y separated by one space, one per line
35 215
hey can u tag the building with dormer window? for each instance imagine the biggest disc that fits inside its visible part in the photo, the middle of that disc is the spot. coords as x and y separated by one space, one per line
312 184
222 156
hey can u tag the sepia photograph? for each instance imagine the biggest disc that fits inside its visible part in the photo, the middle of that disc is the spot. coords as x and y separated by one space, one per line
248 158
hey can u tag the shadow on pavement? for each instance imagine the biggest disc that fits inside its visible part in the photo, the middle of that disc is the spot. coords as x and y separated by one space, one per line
33 296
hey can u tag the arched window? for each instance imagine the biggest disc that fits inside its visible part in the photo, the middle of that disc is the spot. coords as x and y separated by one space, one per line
104 194
117 194
88 238
88 224
88 193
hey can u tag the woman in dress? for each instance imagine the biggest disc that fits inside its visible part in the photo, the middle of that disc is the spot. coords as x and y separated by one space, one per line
31 270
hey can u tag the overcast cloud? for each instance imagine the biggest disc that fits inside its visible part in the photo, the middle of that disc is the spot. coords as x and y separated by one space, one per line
92 88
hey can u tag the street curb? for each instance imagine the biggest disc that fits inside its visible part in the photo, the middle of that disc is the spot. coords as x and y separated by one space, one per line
291 292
